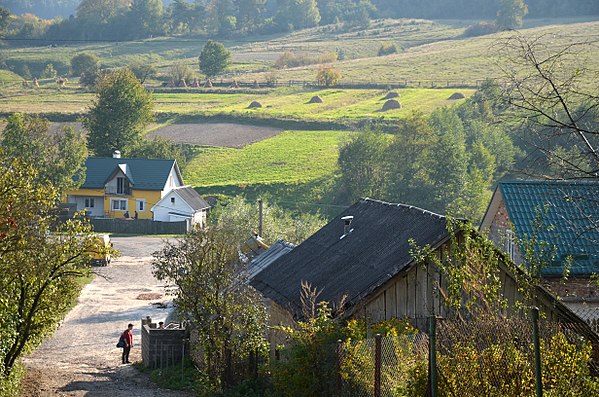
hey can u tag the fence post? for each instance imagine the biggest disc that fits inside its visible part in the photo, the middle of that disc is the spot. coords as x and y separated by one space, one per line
535 338
432 349
377 365
338 366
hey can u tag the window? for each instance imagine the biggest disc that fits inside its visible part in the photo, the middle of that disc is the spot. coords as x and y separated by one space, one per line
120 185
89 203
118 205
510 246
141 205
172 200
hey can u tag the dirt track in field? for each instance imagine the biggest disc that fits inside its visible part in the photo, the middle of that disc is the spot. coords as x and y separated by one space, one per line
81 358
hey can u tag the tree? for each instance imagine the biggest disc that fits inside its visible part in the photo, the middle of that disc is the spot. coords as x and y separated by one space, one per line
161 148
214 58
38 272
510 14
57 157
84 63
49 72
4 20
145 17
180 72
328 76
297 14
362 161
143 70
226 314
100 11
118 115
249 14
552 103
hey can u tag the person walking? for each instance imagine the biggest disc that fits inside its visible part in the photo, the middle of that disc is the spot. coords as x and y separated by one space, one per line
127 337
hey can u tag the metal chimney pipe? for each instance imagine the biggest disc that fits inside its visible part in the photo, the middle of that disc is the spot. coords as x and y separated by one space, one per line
260 205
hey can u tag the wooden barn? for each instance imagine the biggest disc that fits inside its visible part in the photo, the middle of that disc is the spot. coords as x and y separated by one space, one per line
364 255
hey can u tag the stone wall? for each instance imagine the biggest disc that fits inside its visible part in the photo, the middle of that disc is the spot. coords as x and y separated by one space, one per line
162 348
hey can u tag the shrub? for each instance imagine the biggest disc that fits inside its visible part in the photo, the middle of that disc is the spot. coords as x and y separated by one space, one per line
49 72
387 49
328 76
480 29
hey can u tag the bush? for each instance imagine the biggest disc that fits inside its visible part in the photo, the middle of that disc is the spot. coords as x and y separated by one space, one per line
328 76
387 49
480 29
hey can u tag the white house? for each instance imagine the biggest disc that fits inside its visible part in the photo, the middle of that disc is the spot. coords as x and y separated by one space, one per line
182 204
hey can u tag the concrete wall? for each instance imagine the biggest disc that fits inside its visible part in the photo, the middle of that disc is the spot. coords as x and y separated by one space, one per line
162 348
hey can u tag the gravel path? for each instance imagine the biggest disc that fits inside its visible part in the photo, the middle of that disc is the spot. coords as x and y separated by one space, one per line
81 358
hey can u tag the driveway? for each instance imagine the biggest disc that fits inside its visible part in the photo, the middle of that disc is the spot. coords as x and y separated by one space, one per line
81 358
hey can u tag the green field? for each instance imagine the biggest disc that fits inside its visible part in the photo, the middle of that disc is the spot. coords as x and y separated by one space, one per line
296 168
278 104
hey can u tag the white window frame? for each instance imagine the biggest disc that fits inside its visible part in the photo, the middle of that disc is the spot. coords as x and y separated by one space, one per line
510 243
90 202
142 207
119 205
120 185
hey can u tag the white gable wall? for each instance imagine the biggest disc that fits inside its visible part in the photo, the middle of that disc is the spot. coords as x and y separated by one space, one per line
173 181
170 203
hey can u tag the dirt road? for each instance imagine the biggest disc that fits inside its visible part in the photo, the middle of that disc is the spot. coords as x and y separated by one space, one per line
81 358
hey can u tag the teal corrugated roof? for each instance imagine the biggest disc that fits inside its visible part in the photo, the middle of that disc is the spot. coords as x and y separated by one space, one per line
570 214
146 174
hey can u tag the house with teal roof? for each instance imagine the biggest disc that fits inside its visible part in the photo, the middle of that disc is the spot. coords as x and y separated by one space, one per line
118 187
558 222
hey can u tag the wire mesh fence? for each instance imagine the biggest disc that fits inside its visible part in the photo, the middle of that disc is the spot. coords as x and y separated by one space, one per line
485 356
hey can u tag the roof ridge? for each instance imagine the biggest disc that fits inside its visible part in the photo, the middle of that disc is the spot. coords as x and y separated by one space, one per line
549 182
408 206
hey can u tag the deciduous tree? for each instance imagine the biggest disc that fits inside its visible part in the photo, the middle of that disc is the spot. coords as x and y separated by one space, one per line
214 58
510 14
57 157
119 113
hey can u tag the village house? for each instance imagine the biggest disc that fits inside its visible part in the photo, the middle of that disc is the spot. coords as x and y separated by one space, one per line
364 255
137 189
559 220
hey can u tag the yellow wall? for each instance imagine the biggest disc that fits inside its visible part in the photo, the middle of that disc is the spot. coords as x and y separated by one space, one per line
151 196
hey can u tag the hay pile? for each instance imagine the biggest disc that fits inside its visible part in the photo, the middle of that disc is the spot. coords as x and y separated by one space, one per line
456 95
391 104
208 84
316 99
255 105
391 94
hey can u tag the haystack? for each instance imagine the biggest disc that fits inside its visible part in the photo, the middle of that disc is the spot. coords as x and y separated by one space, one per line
392 94
254 105
208 84
316 99
457 95
391 104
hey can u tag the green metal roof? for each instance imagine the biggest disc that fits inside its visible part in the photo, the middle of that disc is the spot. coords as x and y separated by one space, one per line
569 212
143 173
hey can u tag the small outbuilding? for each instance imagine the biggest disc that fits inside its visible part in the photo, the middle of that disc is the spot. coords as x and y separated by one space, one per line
182 204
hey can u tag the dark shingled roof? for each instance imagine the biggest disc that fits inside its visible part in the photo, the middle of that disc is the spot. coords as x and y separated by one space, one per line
264 259
145 174
375 250
192 198
570 213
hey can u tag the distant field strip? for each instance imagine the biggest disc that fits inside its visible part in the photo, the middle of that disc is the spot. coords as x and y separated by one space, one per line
347 104
291 157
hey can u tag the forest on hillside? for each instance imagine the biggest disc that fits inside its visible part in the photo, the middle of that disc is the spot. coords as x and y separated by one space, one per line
134 19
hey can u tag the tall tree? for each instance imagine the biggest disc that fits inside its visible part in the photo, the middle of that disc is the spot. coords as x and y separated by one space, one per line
38 272
145 17
553 103
510 14
57 157
249 14
118 115
297 14
101 11
214 58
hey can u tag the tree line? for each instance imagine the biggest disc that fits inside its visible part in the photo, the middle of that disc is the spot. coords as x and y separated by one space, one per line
124 19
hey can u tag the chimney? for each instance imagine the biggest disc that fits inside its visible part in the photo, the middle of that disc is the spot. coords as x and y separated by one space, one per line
116 154
260 217
346 225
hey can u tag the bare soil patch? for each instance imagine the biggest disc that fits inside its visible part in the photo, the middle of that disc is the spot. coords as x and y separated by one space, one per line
81 358
216 134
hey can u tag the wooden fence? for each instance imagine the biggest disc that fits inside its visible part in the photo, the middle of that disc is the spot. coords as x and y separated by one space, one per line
138 226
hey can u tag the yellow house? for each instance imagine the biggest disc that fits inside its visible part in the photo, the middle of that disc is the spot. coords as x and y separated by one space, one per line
124 188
